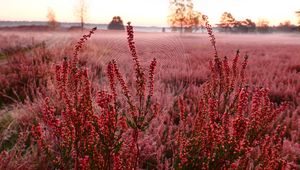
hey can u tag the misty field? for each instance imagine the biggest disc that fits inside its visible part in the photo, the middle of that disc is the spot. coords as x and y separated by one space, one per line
63 108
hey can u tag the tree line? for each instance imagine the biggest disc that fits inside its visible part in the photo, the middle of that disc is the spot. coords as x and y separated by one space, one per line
184 18
229 24
80 12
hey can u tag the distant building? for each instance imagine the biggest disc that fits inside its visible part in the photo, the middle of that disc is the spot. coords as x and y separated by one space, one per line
116 24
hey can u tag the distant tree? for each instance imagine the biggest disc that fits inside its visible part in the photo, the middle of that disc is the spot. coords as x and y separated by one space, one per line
116 24
262 25
286 26
81 12
250 25
184 16
229 24
193 21
245 26
227 21
286 23
298 15
52 19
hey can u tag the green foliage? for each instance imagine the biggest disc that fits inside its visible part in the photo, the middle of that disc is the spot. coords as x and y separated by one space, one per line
8 132
2 56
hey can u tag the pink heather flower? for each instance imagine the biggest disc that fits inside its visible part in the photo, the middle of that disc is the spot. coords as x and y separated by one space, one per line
140 77
244 64
234 69
117 163
80 43
182 153
111 76
242 102
226 73
104 99
37 134
49 117
84 163
57 73
235 62
211 34
151 77
121 81
240 122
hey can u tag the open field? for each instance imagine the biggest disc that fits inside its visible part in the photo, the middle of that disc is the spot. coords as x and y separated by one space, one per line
274 58
28 68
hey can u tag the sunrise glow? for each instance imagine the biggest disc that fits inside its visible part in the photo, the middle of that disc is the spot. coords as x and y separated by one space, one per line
148 12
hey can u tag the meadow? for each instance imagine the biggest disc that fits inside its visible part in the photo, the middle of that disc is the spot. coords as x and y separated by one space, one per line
106 103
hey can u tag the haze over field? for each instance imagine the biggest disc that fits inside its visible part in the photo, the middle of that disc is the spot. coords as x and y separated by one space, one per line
148 12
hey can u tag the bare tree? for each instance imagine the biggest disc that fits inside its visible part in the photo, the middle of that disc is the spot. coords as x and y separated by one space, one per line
52 19
184 16
81 12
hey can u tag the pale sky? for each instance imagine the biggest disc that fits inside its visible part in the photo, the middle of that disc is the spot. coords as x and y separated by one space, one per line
148 12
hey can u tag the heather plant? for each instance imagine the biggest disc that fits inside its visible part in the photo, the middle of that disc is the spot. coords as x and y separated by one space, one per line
24 75
16 149
232 126
77 136
141 111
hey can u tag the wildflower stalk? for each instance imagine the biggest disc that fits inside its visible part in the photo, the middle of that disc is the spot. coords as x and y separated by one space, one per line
232 122
79 137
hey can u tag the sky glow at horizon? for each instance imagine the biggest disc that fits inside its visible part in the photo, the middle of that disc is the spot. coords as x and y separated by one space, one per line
148 12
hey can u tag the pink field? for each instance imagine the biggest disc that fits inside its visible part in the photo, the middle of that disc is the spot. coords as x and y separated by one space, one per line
185 107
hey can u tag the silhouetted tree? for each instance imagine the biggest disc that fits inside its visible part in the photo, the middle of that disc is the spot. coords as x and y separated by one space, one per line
227 22
183 16
52 19
81 12
245 26
116 24
250 25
